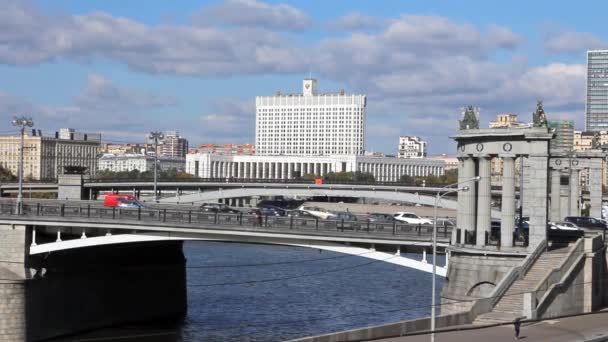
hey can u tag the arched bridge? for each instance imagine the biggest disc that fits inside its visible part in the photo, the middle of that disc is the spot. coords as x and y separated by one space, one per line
61 226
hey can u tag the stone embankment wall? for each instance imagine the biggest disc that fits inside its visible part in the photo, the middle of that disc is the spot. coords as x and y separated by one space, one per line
473 276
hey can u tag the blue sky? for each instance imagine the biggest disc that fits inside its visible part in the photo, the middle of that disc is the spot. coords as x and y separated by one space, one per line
125 68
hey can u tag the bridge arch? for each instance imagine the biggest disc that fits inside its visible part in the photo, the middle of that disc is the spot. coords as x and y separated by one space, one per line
106 240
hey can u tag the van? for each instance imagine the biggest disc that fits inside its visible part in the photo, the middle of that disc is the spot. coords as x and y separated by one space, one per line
122 201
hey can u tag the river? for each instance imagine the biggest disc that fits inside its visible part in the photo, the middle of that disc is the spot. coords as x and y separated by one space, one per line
248 292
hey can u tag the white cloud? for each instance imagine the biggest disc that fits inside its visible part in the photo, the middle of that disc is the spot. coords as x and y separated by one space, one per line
416 70
355 21
573 42
252 13
28 36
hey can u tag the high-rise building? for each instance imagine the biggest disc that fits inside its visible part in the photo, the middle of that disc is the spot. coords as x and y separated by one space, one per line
173 145
47 157
596 114
310 123
564 134
411 147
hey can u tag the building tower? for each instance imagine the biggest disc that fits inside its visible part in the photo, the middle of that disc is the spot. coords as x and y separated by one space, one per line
310 123
596 114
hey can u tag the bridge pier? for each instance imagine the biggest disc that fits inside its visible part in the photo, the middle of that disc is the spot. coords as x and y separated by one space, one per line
13 277
64 292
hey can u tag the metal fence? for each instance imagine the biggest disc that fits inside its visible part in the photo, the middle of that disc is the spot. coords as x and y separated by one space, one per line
193 218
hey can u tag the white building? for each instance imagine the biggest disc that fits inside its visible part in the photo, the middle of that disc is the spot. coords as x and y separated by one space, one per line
140 162
411 147
310 123
384 169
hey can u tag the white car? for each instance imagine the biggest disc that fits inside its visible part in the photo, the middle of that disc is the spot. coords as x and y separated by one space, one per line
411 218
317 212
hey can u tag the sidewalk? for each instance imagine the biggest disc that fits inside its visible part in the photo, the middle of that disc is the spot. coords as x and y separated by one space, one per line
573 329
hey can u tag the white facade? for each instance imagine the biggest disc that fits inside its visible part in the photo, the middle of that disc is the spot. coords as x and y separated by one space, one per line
411 147
384 169
310 124
140 162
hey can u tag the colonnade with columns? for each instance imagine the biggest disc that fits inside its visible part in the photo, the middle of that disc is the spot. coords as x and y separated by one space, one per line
268 170
474 219
565 175
476 150
392 172
384 169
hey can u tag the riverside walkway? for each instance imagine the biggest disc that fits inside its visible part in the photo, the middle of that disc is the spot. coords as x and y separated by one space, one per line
585 328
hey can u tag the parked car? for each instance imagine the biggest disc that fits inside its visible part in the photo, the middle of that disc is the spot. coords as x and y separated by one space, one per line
564 230
445 222
346 220
269 211
380 218
300 214
586 222
318 212
411 218
218 208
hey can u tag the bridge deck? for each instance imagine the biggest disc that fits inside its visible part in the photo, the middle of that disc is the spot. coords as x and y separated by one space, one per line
216 224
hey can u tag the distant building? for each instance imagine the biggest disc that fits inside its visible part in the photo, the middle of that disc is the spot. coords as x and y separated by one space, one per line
582 140
506 121
310 123
451 162
384 169
130 148
46 157
173 145
242 149
596 111
411 147
140 162
564 134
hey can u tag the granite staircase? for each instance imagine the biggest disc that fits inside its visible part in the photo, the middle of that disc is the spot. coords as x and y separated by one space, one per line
510 305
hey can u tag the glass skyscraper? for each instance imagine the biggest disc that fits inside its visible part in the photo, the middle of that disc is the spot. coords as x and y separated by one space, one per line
596 115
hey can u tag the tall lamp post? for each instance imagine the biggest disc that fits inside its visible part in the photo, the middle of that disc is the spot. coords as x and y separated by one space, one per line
438 197
156 136
21 122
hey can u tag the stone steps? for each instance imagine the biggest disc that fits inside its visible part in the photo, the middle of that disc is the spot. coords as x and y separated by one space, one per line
510 306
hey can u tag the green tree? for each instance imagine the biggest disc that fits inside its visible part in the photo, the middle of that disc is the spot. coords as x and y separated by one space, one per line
6 175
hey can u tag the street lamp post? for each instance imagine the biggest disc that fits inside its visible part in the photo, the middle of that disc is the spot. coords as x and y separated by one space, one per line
438 197
21 122
156 136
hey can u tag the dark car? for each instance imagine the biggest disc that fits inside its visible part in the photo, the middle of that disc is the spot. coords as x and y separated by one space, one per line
380 218
345 220
270 211
585 222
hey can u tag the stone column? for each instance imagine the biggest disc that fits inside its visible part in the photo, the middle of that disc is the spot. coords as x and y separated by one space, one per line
595 192
470 197
460 219
289 170
556 210
484 198
575 181
264 170
507 223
